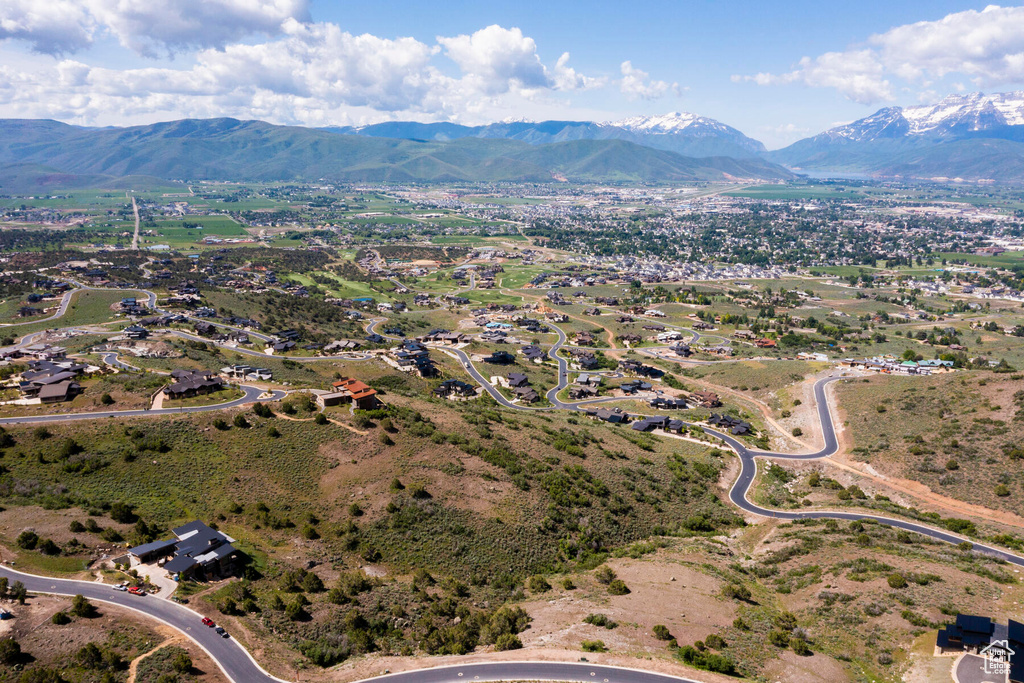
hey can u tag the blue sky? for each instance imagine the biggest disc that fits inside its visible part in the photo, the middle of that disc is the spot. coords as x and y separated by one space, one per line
776 71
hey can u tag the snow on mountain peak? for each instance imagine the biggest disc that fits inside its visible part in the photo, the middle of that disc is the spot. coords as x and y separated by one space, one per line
666 123
974 110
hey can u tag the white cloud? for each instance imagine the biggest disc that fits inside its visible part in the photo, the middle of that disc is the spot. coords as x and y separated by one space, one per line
147 27
986 46
313 73
55 27
638 84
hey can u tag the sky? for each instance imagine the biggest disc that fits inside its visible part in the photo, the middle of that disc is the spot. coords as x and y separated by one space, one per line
777 71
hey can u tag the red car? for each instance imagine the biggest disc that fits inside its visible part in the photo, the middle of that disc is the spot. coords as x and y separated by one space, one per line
207 621
136 590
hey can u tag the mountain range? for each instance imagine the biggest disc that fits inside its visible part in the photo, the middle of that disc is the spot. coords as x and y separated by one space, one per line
37 153
974 137
680 132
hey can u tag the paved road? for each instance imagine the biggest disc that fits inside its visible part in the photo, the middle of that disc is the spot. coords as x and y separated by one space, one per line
62 308
251 395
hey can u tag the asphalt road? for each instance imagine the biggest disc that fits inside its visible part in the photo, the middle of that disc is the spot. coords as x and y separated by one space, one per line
251 395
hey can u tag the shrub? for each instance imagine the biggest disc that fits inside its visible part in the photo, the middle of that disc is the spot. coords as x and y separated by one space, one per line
321 419
60 618
661 632
568 585
122 512
273 432
240 421
106 399
602 620
797 431
507 641
594 646
42 433
354 510
736 592
10 651
618 587
715 641
48 547
897 581
27 540
385 439
778 638
952 465
310 533
227 606
800 646
538 584
604 574
76 527
220 424
1002 490
182 663
81 607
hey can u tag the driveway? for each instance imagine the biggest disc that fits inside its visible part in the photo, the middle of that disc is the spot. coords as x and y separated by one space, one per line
970 669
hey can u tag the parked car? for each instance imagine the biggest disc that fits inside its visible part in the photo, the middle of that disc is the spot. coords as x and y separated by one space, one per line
136 590
207 621
221 632
123 587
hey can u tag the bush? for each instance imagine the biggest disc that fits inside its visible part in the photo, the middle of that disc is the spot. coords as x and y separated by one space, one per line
602 620
240 421
594 646
568 585
778 638
10 651
60 618
76 527
538 584
295 611
81 607
715 641
182 663
321 419
507 641
106 399
897 581
273 432
227 606
618 587
1002 490
661 632
797 431
122 512
220 424
736 592
604 574
27 540
48 547
800 646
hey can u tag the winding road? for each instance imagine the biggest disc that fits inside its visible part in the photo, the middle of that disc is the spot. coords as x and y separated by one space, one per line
239 666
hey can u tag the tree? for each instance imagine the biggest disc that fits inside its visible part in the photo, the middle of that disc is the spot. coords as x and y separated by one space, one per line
661 632
122 512
81 607
27 540
538 584
106 399
10 651
60 618
295 611
604 574
18 592
182 663
507 641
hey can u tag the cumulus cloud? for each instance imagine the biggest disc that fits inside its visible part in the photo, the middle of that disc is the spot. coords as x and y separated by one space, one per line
312 73
987 46
56 27
638 84
147 27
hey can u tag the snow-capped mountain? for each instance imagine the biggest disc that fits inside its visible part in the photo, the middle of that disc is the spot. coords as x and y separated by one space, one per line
954 116
671 123
973 136
687 134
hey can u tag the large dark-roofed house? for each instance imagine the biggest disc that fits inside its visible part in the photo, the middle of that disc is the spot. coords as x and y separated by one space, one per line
197 551
192 383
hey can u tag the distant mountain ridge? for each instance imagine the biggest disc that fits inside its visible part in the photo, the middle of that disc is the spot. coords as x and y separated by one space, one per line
974 136
680 132
41 152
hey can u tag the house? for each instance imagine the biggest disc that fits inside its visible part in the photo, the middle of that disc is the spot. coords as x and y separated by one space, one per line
735 426
706 399
580 393
650 423
970 633
204 329
412 356
517 379
681 350
341 345
352 391
534 353
455 389
135 332
499 358
583 339
633 386
668 403
192 383
613 415
526 394
197 551
765 343
65 390
589 380
632 367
